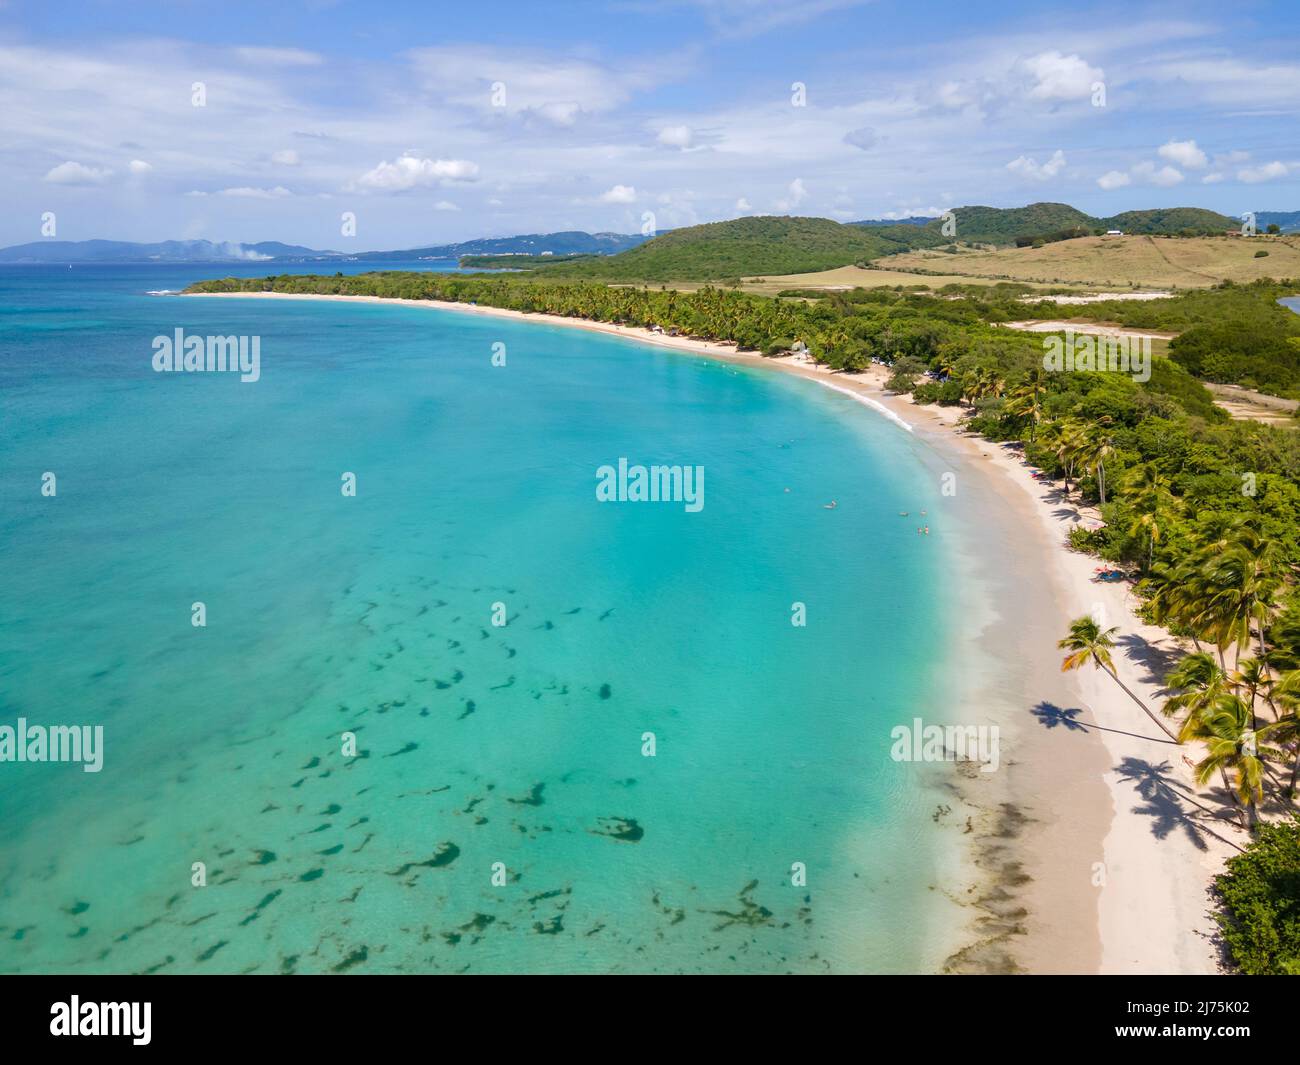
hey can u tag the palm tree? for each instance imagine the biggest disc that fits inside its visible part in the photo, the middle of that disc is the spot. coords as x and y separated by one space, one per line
1198 681
1242 580
1152 502
1087 642
1025 400
1098 446
1287 692
1064 440
1227 728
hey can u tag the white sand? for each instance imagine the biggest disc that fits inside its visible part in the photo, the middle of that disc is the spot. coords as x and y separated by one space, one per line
1085 329
1101 297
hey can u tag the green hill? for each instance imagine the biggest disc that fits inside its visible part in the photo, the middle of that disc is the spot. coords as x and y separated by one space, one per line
1048 221
1170 221
754 247
743 247
997 225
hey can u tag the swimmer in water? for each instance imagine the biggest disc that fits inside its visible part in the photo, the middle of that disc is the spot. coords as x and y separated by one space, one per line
927 530
830 506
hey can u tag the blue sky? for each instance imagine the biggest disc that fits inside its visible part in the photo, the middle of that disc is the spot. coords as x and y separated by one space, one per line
435 122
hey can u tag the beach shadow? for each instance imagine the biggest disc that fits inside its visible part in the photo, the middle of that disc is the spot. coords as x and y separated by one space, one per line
1171 805
1158 662
1163 799
1052 716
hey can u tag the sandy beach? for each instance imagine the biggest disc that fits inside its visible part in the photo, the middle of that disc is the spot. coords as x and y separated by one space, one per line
1098 852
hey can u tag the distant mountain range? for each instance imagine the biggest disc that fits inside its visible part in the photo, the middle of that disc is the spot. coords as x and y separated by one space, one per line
910 220
750 245
569 242
206 251
167 251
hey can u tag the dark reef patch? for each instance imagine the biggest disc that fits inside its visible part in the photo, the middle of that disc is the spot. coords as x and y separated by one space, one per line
621 828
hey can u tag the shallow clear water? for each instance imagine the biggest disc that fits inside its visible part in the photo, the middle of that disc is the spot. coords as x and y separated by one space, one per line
520 745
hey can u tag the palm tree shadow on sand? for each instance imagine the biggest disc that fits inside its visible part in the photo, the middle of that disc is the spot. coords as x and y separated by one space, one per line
1171 804
1158 662
1051 716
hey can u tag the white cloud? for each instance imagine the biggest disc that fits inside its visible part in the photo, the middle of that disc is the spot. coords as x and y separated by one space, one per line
1062 77
409 171
676 137
619 194
71 173
795 195
1113 179
864 138
244 192
913 212
743 205
1253 175
1184 154
534 84
1027 166
278 57
286 157
1211 179
1164 177
562 113
139 166
445 205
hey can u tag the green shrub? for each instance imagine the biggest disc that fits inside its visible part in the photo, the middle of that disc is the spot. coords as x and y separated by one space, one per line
1260 896
946 394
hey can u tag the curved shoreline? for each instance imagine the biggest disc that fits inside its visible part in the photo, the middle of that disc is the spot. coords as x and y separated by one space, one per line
1101 890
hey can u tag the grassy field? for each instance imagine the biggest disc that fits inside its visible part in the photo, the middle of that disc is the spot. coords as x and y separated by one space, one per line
1120 262
848 277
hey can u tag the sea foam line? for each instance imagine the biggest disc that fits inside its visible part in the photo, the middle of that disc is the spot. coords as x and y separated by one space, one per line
875 405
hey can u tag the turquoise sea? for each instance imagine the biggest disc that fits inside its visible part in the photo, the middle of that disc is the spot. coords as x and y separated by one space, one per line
513 750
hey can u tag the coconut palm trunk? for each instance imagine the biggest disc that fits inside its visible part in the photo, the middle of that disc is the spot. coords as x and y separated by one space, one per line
1145 709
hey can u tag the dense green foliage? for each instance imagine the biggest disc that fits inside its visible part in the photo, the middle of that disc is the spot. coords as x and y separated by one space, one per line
1260 893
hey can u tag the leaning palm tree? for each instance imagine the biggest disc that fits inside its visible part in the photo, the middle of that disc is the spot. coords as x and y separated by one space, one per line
1088 642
